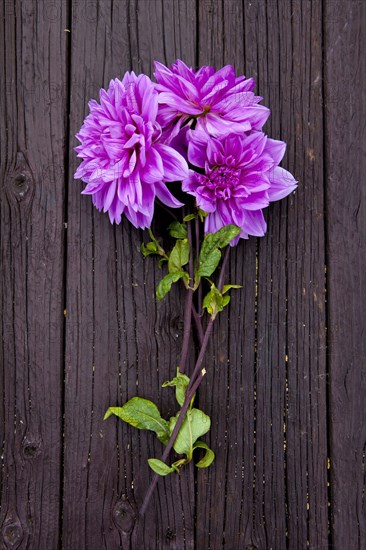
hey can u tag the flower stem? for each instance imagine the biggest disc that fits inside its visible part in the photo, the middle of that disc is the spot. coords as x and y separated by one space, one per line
195 381
197 321
187 308
170 444
199 290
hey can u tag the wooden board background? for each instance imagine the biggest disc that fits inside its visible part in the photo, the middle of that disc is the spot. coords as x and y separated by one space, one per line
80 327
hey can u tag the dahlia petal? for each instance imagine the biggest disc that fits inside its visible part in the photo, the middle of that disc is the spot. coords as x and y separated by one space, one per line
215 152
138 219
166 197
258 116
205 203
154 169
255 201
254 223
131 165
247 85
135 138
224 74
166 115
276 149
175 166
115 211
126 191
197 143
165 78
216 93
282 184
179 103
234 106
216 125
149 109
213 222
147 205
190 184
111 192
184 70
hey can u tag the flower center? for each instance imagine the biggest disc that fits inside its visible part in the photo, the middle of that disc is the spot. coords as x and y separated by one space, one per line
222 179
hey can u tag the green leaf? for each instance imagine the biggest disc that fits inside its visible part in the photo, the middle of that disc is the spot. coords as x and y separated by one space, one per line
148 249
178 230
226 234
228 287
166 283
152 247
210 254
195 424
179 256
209 457
179 463
160 467
202 214
190 217
214 301
144 415
180 382
209 262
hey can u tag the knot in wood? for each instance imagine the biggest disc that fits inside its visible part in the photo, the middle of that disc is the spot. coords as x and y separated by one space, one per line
20 181
124 515
12 532
31 446
20 185
169 534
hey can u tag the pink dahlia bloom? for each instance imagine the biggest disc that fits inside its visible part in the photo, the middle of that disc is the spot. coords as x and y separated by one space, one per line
220 102
125 165
241 177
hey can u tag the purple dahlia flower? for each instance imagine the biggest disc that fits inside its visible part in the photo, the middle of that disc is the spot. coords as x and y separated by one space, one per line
124 163
241 176
220 102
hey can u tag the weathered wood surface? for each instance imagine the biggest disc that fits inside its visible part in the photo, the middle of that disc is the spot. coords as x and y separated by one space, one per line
289 355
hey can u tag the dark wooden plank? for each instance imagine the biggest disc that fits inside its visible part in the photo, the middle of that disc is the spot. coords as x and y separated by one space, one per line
346 225
276 379
306 414
225 491
119 342
32 132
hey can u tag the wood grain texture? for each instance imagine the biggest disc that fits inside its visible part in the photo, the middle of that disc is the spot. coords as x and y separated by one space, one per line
345 103
119 341
32 132
280 405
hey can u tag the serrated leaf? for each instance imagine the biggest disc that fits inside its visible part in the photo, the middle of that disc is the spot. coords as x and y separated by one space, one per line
166 283
180 382
210 254
229 287
209 457
195 424
179 256
144 415
178 230
160 467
